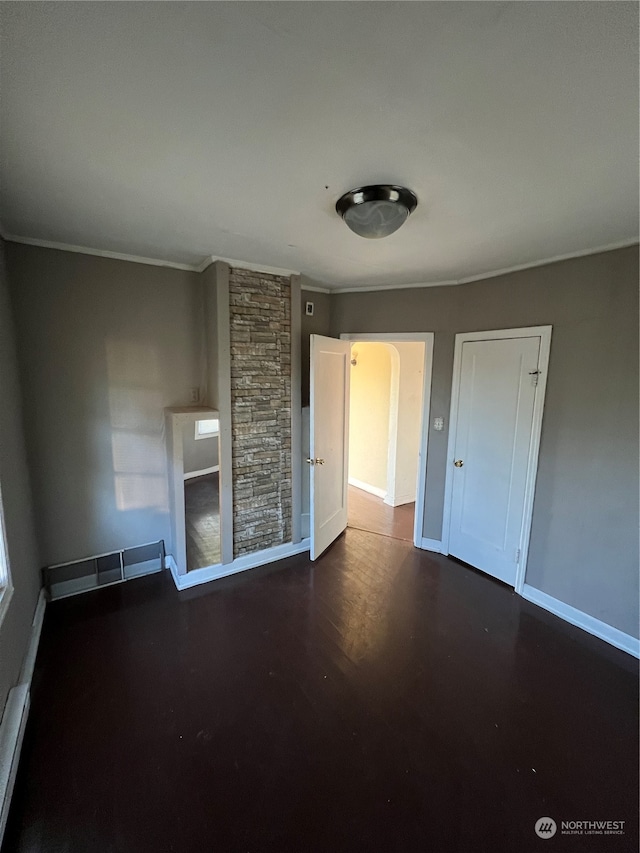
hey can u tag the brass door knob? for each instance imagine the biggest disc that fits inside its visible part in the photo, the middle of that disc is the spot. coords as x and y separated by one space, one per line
319 461
315 461
458 463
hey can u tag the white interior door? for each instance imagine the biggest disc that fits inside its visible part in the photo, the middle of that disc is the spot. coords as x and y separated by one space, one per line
492 444
329 439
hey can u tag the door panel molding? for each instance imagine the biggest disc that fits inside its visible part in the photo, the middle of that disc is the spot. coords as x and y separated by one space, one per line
544 333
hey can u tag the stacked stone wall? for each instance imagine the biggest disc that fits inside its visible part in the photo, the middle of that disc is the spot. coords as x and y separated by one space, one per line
260 338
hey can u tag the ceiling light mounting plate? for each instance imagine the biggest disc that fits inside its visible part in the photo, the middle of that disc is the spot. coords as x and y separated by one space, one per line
377 210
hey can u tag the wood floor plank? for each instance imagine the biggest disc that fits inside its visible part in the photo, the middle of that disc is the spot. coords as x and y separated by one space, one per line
380 699
368 512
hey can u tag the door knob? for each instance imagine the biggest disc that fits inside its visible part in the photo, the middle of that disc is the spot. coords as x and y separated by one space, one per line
458 463
315 461
319 461
310 462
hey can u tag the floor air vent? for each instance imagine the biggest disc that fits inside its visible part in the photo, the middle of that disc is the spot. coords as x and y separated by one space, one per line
103 570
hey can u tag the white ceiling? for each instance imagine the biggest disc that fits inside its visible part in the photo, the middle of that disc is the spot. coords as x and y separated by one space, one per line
180 130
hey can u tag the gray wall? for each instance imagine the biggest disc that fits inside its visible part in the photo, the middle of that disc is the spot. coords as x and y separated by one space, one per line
318 324
584 538
208 325
198 454
22 552
103 346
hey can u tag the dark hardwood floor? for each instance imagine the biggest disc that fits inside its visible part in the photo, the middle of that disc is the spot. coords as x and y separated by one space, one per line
368 512
382 699
202 521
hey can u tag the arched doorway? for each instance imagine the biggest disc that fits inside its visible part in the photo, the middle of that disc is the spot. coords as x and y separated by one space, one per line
386 404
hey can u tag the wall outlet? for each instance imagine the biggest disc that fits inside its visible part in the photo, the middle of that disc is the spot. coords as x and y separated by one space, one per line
308 309
438 424
194 395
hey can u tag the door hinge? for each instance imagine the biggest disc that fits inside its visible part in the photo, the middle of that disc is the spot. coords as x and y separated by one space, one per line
534 374
517 555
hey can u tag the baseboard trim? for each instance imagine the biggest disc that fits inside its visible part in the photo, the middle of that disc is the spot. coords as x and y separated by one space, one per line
434 545
170 563
576 617
189 475
240 564
366 487
399 500
14 721
14 717
26 673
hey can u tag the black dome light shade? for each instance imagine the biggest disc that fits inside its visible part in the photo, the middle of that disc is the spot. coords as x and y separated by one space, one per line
376 211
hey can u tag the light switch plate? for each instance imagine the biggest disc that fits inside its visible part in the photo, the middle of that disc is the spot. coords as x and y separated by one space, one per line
438 424
308 309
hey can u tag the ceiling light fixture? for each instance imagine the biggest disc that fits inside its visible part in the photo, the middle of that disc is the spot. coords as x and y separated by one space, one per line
376 211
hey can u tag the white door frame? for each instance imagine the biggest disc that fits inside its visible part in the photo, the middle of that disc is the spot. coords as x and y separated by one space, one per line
544 333
427 339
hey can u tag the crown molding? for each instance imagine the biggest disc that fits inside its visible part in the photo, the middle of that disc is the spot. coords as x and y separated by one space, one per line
140 259
308 288
372 288
101 253
205 264
210 259
610 247
248 265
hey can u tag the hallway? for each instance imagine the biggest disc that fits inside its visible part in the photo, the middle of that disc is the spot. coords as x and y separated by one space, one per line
371 513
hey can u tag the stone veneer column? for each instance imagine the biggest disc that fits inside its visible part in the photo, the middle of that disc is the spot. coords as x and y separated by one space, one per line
260 337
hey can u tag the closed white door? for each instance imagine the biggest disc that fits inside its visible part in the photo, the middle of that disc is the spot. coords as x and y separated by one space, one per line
329 439
493 438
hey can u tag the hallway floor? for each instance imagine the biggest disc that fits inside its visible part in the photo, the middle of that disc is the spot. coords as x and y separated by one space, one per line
368 512
380 699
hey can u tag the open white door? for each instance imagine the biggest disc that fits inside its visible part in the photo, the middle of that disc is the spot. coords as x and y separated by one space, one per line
329 439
